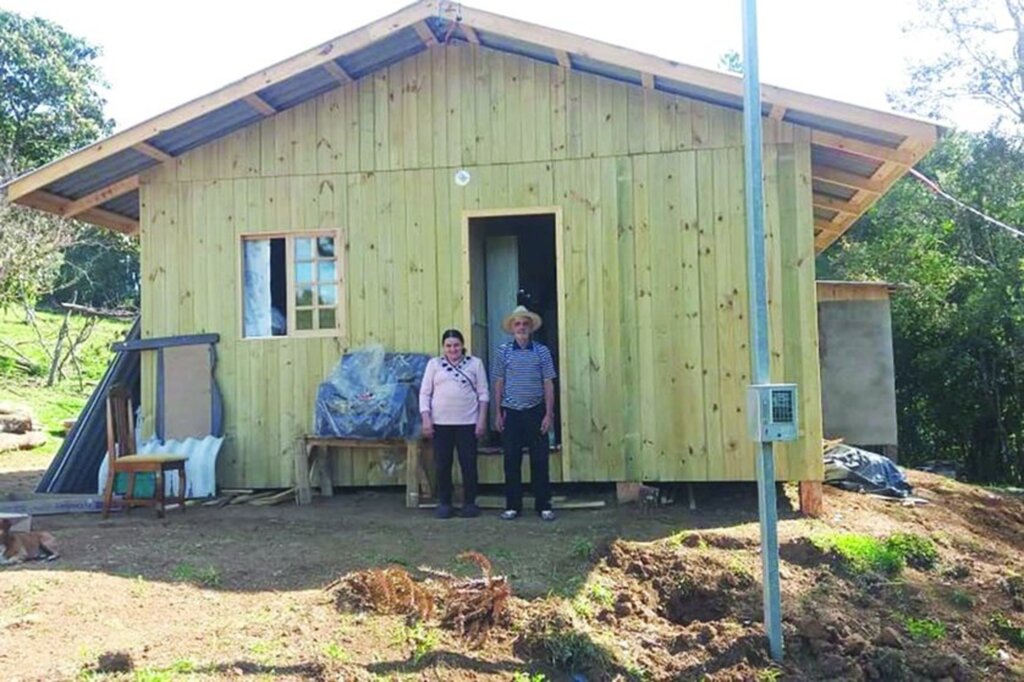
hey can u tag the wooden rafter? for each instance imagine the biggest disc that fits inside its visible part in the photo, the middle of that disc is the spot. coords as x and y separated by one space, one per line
563 59
152 152
259 104
339 74
647 80
101 196
425 34
778 112
851 180
903 157
470 33
56 204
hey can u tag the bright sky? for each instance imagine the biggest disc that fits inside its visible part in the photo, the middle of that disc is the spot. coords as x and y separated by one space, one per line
159 55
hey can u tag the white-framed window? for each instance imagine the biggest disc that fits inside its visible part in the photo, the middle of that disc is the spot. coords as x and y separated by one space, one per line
292 284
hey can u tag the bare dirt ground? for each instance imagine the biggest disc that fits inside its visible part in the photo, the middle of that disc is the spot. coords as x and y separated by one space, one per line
246 592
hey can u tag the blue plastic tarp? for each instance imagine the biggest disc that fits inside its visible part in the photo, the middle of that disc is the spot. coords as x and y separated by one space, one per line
855 469
371 394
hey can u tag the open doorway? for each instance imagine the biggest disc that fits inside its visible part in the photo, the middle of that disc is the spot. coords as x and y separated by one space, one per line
513 261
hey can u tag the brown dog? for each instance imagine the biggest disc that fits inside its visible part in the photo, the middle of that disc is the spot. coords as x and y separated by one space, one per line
18 547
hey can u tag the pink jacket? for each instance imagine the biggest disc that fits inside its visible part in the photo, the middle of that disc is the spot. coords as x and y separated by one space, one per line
451 394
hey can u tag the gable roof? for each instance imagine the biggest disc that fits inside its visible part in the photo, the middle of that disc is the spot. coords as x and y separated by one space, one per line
857 153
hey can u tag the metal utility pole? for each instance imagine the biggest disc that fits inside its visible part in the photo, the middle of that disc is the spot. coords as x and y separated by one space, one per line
759 328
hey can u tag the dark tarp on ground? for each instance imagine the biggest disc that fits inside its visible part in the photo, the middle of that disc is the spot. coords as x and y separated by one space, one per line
77 463
371 394
862 471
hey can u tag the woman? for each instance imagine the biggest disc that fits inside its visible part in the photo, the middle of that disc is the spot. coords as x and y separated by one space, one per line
453 405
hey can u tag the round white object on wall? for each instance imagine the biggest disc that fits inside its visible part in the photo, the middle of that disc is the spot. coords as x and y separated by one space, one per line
462 177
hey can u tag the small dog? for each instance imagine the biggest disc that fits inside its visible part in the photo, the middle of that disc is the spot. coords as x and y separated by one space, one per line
18 547
650 499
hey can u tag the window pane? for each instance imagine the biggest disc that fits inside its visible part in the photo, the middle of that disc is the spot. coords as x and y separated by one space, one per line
303 249
303 272
326 272
327 319
325 247
304 295
303 319
328 295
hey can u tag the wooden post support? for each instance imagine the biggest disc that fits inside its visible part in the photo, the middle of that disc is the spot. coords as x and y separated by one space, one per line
412 467
326 463
303 493
627 491
810 499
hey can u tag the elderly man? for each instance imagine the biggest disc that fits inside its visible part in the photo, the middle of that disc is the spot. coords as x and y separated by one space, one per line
523 377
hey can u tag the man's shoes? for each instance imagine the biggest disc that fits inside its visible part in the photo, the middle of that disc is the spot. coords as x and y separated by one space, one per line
470 511
509 515
547 515
444 511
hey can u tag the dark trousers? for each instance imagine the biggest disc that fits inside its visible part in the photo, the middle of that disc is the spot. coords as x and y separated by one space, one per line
447 438
522 429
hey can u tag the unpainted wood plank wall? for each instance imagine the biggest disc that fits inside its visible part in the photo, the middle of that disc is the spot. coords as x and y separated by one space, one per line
652 258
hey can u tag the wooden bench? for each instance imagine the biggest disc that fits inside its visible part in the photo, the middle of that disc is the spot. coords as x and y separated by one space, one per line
309 455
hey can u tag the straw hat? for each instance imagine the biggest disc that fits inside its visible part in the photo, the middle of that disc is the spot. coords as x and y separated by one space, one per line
521 311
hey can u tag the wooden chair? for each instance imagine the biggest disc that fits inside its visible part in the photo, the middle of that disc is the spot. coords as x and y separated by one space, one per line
121 457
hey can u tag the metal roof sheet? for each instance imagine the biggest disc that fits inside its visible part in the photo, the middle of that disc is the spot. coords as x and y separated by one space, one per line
126 205
496 41
599 68
384 52
850 163
100 174
298 89
207 127
837 191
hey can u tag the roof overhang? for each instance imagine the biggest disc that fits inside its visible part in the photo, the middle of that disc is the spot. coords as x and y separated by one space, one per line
857 153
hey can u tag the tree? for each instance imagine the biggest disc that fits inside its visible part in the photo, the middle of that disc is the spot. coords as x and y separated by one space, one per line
50 105
49 93
982 58
958 325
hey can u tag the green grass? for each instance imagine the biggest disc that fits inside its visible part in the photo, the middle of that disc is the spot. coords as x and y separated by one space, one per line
862 553
925 629
187 573
1010 631
888 556
423 639
67 398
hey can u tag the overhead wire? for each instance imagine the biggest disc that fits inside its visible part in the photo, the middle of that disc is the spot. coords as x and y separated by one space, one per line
934 187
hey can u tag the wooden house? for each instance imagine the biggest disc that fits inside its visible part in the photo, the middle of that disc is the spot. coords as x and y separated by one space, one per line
414 174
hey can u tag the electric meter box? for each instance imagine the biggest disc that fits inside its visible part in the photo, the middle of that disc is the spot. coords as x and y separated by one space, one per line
772 412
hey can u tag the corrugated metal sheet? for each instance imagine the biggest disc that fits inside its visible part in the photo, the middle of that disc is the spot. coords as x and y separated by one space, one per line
200 469
206 128
384 52
837 191
126 204
698 93
619 73
298 89
833 158
74 468
824 213
101 173
845 129
496 41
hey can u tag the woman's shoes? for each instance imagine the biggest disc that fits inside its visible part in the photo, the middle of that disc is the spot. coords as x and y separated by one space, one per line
444 511
509 515
470 511
547 515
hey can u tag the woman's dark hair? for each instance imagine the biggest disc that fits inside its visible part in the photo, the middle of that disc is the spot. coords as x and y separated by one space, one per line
452 334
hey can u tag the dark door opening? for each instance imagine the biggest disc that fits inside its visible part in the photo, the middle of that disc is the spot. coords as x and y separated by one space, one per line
513 262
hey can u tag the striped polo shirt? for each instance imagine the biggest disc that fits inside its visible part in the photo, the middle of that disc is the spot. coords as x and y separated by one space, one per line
524 371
